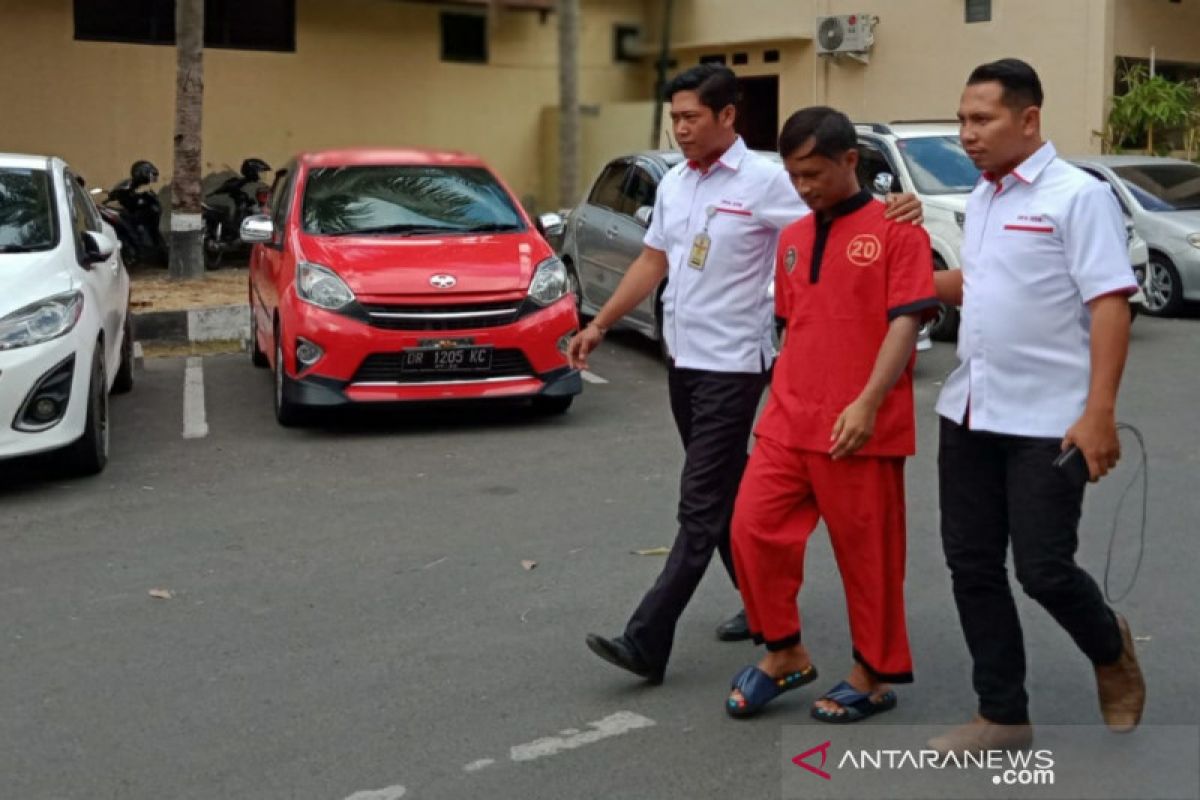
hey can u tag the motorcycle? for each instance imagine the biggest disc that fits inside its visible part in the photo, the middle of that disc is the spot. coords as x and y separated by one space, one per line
225 207
135 213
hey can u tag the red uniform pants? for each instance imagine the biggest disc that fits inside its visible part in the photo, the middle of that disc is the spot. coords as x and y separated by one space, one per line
861 498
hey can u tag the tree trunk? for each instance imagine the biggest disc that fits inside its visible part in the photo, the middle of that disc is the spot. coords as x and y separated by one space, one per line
187 248
568 102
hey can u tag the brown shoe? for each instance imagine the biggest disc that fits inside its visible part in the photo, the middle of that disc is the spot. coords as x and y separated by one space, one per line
980 735
1121 687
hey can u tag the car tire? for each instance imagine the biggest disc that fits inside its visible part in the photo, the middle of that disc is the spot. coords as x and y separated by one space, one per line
944 327
123 380
287 413
551 405
1163 289
257 357
88 455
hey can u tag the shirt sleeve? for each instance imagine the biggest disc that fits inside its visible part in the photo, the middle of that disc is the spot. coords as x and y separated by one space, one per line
780 204
783 287
910 273
656 237
1094 238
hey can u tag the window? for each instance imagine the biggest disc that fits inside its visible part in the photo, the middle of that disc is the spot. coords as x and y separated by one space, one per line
258 25
740 59
770 56
872 163
625 43
464 38
27 220
639 191
716 58
607 191
938 164
979 10
410 200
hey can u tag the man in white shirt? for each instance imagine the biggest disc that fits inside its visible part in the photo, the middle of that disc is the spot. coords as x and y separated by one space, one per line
1042 345
713 234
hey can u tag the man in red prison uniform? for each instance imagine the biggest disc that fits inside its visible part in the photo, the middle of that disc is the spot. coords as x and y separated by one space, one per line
838 425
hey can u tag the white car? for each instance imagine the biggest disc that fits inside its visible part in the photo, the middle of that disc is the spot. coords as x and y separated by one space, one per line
65 331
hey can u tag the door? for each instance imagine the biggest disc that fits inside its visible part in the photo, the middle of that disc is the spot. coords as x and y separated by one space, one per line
596 227
105 279
758 112
873 162
268 260
638 192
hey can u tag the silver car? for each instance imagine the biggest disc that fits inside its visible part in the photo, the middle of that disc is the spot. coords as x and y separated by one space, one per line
1162 196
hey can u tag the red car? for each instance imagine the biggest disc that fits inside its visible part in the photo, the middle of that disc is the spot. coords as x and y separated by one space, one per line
405 275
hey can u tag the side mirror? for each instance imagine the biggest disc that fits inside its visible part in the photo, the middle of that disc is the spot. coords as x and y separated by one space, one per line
886 183
549 224
257 229
643 215
97 247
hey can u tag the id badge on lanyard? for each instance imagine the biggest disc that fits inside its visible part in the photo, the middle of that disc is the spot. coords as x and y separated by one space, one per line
702 243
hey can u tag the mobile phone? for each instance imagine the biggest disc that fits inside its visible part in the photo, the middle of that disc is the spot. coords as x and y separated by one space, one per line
1073 466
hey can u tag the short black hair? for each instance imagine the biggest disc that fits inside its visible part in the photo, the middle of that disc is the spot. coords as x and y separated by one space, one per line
1022 86
714 83
832 131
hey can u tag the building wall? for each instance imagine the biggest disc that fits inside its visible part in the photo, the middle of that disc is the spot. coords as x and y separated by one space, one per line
923 53
1172 29
365 72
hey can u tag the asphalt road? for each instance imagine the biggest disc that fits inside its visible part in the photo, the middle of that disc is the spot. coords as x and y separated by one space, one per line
350 615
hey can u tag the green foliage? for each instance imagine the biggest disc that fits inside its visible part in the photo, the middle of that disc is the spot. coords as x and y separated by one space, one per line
1152 104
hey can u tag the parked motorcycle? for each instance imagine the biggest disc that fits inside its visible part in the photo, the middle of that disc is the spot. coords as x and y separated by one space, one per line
135 213
225 207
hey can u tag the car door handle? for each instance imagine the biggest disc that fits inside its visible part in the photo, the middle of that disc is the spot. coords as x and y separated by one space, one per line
611 233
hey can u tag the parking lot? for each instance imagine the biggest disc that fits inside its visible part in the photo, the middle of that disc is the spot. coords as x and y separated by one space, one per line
394 604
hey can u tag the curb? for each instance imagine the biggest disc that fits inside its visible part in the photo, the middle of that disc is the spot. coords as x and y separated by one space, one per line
207 324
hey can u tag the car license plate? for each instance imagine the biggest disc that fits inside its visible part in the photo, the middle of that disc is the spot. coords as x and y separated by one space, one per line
447 359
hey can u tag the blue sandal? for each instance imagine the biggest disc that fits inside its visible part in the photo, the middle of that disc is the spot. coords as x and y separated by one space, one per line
855 705
758 688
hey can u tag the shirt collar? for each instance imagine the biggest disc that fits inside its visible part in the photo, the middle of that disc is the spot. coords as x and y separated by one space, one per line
1029 169
848 206
731 158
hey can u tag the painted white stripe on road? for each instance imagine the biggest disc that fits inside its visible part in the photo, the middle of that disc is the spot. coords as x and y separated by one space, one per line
613 725
389 793
195 421
475 766
592 377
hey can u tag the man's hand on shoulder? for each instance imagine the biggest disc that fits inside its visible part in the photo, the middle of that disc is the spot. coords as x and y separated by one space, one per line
904 208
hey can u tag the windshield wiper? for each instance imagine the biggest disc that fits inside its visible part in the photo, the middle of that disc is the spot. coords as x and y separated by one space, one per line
407 229
491 227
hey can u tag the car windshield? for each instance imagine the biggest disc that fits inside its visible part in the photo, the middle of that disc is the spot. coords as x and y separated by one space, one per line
938 164
406 200
1163 187
26 210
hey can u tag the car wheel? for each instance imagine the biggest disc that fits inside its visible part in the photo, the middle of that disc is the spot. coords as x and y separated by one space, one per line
1163 289
944 327
123 380
552 404
287 413
257 357
89 454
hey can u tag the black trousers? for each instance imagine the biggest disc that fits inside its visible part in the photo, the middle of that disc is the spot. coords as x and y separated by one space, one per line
996 489
714 412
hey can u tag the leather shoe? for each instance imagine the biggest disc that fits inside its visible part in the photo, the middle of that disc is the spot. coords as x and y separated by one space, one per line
620 652
734 629
980 735
1121 687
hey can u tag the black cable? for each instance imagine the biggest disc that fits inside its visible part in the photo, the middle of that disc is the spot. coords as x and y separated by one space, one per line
1144 469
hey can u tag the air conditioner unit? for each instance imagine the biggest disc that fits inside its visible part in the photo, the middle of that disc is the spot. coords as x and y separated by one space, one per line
846 33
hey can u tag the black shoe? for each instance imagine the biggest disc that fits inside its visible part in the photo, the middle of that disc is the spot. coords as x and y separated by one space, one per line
618 651
734 629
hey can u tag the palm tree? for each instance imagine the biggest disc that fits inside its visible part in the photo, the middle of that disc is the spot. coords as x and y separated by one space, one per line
187 249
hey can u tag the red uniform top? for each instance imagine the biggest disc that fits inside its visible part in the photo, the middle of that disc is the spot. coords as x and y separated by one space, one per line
839 282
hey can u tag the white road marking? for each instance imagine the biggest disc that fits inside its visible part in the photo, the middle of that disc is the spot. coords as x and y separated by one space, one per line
475 766
613 725
592 377
389 793
195 422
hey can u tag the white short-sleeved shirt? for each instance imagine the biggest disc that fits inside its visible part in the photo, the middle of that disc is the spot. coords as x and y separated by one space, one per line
1037 247
719 318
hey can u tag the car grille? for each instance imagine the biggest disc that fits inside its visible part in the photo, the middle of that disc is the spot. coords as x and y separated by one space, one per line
442 318
385 368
